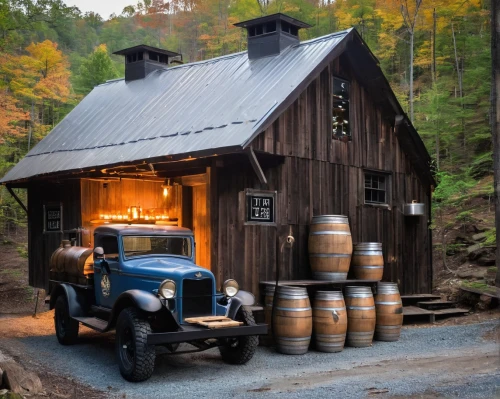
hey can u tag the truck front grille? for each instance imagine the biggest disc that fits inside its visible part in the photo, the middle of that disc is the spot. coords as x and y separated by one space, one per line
196 297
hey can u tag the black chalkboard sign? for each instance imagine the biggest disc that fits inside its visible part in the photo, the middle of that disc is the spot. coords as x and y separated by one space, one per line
261 207
52 215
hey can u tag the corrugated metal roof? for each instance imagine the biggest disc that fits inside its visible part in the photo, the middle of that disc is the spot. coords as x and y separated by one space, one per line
208 105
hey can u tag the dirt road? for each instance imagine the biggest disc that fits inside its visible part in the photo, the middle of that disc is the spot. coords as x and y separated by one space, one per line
451 361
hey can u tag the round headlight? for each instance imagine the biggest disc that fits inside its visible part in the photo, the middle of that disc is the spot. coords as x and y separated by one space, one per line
167 289
230 288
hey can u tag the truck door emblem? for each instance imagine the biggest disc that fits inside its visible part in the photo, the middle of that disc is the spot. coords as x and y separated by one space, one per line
198 275
105 285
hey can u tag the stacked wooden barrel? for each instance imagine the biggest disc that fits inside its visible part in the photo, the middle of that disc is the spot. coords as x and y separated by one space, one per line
329 321
330 247
292 324
367 261
389 309
268 312
361 316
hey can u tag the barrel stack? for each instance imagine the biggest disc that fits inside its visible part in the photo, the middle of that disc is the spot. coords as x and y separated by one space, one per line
292 324
361 316
330 247
389 309
367 261
329 321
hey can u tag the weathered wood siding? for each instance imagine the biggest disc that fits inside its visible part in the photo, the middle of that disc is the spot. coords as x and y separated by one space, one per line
41 245
324 176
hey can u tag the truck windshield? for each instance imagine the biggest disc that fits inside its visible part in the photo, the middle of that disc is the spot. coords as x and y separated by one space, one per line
156 245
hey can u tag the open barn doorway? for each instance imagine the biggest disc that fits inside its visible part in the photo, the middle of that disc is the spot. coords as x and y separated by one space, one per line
177 201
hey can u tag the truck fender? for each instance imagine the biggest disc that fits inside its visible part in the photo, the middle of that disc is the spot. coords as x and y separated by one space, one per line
142 300
246 298
76 302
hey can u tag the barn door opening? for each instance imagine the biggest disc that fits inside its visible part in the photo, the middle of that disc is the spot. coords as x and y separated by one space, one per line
195 215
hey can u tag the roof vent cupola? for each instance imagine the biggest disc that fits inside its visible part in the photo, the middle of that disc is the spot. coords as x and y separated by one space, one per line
272 34
142 60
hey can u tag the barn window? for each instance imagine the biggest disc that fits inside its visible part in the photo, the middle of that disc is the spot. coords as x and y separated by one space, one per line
377 188
340 109
109 244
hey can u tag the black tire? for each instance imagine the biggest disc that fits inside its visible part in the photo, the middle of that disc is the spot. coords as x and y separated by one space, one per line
240 350
66 327
135 357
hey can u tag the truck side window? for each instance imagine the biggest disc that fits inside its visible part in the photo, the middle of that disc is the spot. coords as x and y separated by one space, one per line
109 244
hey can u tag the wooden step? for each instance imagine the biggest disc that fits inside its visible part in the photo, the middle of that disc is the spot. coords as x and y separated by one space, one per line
213 321
412 313
451 312
435 305
411 300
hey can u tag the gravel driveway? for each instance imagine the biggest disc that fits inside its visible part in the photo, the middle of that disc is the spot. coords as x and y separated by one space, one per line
455 361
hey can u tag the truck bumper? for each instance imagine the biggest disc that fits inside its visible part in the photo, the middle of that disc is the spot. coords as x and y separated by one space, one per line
195 333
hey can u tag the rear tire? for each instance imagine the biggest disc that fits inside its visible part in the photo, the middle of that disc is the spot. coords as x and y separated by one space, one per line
135 357
240 350
66 327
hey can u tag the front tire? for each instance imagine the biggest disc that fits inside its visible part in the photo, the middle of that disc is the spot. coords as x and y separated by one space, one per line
135 357
65 326
240 350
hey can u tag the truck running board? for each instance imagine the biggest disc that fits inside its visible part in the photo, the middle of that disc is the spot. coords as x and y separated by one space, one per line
93 322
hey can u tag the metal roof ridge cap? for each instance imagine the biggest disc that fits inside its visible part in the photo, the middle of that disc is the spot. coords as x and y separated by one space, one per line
344 32
202 62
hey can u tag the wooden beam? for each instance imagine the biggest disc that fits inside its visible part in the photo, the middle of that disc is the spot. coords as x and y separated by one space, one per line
256 166
17 199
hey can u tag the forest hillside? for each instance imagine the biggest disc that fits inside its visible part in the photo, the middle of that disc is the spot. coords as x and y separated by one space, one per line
435 53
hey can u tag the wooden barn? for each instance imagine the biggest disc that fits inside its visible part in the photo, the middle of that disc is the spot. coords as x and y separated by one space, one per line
244 149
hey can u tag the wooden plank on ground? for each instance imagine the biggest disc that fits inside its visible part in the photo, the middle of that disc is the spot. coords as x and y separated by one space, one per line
451 311
493 293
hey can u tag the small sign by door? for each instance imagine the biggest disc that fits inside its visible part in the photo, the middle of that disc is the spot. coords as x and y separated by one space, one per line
52 218
260 207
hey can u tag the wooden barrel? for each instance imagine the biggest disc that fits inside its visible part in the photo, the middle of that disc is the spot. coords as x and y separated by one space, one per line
389 310
330 247
361 316
329 321
367 261
56 265
292 320
267 340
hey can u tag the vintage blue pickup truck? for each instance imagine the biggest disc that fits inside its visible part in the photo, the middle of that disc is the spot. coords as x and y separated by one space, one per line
142 280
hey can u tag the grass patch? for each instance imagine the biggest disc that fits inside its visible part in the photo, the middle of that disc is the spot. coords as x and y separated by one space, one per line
14 273
491 238
477 285
492 269
22 250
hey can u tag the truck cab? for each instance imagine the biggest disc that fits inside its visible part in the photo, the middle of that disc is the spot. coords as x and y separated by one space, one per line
144 283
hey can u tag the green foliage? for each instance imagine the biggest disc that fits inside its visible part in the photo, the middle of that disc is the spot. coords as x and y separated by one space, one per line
478 285
22 250
450 189
491 238
94 70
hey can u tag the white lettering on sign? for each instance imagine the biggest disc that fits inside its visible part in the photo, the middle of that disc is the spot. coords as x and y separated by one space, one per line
53 215
53 225
261 209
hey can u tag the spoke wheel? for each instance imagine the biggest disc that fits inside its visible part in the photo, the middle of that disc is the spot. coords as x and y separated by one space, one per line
66 327
135 357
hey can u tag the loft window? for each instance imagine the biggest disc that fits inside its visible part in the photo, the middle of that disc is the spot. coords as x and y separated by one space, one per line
340 108
292 30
377 188
140 56
157 57
259 30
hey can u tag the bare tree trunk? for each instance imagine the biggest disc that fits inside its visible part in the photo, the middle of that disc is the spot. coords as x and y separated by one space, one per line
495 120
460 89
412 37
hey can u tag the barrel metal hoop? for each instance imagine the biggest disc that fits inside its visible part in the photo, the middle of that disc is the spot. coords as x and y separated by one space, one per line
293 309
308 338
388 303
330 309
367 253
367 267
330 233
313 255
329 335
382 327
292 297
358 295
360 334
360 307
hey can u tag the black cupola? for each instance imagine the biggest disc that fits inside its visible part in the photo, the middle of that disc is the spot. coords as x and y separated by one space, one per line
142 60
271 34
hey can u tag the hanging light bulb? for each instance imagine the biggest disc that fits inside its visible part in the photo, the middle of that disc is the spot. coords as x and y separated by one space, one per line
165 187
